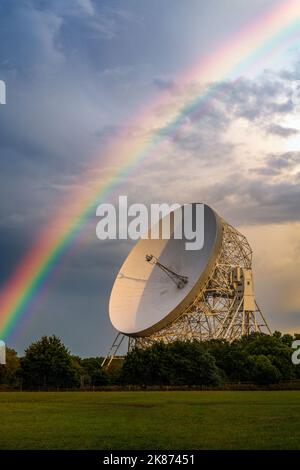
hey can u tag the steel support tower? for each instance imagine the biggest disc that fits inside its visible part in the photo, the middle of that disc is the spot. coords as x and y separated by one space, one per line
225 307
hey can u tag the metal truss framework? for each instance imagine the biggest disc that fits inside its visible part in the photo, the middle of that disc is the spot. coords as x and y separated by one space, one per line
221 309
113 350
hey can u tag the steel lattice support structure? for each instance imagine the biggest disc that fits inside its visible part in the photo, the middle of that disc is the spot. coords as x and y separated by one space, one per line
225 307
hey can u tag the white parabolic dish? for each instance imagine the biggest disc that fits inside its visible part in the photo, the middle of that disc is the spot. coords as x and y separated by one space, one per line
143 298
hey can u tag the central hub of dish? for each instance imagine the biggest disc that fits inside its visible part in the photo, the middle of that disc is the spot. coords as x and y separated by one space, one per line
178 279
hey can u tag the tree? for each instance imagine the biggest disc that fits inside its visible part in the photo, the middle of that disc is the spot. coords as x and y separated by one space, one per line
80 372
192 365
263 371
10 372
274 347
239 360
47 363
228 358
177 363
94 374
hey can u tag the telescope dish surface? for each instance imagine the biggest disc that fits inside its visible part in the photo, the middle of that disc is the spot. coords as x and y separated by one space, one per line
144 298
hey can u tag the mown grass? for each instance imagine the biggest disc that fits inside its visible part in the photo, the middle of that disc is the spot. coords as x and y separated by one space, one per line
150 420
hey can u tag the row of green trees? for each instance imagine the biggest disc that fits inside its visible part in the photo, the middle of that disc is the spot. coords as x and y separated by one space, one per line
47 364
258 359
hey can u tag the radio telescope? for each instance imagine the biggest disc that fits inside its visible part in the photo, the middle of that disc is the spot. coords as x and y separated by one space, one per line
164 292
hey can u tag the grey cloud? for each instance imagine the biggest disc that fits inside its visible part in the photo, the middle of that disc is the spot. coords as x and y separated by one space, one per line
98 17
109 132
34 47
261 101
164 83
256 100
264 171
79 299
267 100
277 163
291 74
253 202
281 131
241 197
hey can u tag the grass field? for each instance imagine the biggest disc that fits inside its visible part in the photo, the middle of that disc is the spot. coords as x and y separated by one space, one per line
150 420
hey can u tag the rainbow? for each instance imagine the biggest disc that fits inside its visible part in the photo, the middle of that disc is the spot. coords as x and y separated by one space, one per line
271 33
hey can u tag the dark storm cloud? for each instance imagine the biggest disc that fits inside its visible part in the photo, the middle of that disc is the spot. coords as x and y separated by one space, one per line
13 246
75 72
77 309
56 104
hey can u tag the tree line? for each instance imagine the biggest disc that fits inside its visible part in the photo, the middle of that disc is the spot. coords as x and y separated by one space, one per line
258 358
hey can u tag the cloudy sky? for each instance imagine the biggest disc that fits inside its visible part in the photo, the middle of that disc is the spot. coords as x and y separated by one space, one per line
76 72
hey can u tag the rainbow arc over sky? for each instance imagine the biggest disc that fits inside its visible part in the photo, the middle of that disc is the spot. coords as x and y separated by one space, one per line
271 33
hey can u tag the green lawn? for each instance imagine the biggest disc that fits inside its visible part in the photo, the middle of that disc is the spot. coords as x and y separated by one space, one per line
150 420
